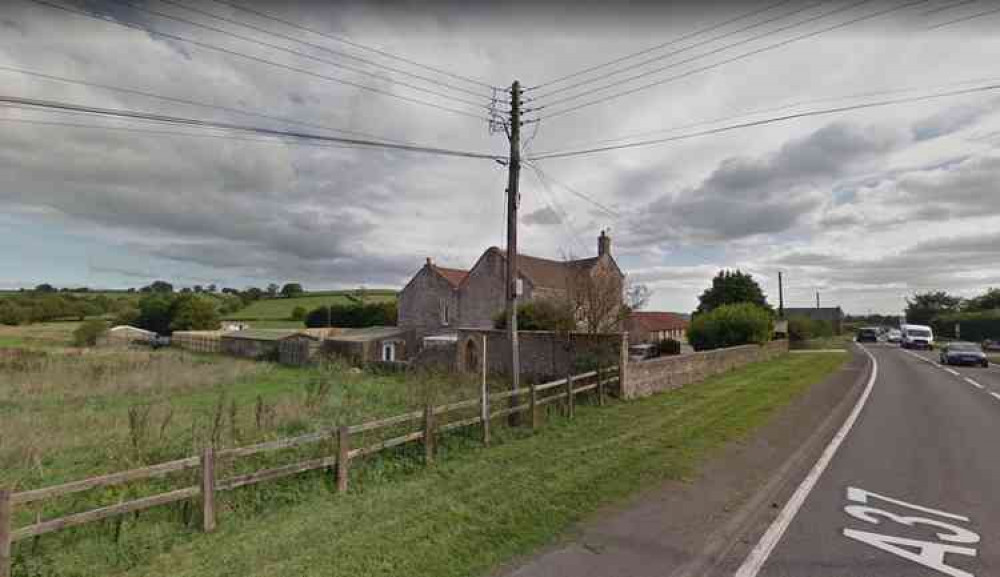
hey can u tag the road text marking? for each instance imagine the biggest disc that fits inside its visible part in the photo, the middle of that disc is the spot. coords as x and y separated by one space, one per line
973 383
927 553
758 556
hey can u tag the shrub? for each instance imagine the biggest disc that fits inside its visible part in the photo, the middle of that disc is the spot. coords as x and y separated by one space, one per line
299 313
803 328
353 315
729 326
540 315
87 334
668 347
973 326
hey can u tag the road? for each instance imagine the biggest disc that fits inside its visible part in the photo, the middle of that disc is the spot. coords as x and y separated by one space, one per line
912 489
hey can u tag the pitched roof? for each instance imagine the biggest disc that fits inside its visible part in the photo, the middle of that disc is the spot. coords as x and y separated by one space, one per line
546 273
659 321
454 276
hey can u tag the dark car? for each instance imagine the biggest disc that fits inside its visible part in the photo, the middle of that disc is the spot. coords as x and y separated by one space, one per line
964 354
867 335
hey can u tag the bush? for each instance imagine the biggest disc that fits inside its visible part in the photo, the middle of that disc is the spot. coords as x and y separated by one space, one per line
540 315
87 334
668 347
299 313
729 326
804 328
353 315
974 326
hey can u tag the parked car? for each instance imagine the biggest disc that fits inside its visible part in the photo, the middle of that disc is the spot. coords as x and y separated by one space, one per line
157 341
959 353
894 336
917 337
867 335
642 352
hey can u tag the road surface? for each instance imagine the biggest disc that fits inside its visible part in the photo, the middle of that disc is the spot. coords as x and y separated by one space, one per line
912 489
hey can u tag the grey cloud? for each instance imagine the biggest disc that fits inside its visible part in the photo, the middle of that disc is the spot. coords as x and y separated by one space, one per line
951 120
768 195
542 217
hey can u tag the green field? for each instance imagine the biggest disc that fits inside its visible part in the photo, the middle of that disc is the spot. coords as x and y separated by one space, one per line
473 510
281 308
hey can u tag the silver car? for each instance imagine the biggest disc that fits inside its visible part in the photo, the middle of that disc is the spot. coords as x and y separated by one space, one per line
963 354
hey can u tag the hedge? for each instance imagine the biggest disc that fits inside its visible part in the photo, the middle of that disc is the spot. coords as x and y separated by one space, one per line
729 326
976 327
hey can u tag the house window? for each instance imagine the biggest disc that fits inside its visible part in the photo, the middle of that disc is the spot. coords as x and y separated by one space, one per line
445 313
389 352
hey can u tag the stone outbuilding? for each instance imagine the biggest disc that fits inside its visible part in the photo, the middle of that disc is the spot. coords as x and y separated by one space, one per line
654 326
369 345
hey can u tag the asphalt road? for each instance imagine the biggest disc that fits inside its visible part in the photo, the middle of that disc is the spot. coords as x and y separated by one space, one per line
914 487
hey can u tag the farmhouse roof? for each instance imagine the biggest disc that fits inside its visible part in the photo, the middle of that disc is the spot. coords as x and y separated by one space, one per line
659 321
454 276
547 273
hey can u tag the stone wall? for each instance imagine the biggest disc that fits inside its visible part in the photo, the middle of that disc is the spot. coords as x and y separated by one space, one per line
482 294
544 355
420 304
644 378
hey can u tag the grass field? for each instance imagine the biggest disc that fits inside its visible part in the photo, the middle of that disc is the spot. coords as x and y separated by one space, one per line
39 335
281 308
473 510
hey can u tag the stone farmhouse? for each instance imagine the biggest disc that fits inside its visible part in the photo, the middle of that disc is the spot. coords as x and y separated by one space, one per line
440 300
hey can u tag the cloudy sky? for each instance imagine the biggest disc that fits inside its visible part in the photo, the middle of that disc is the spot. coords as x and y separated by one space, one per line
864 206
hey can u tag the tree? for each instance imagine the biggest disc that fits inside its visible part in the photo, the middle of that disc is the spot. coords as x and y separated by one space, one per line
731 325
597 298
925 306
291 290
299 313
159 286
88 333
731 287
154 312
990 300
541 315
45 288
272 290
193 313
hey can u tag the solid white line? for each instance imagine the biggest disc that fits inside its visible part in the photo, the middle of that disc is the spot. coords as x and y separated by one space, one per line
973 383
996 395
758 556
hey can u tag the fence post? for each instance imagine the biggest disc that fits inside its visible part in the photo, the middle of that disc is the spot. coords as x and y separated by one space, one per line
534 407
600 384
343 457
208 489
6 516
570 406
485 408
428 434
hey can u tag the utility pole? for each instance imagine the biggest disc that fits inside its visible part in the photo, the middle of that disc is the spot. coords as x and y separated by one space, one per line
513 176
781 298
817 299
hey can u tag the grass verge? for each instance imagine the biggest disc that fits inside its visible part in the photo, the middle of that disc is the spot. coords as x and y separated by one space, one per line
472 511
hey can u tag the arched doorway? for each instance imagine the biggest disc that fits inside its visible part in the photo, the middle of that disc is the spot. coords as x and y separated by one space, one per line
471 356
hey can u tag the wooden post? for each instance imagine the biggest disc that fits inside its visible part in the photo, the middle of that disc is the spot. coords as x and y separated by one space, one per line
428 434
534 407
600 384
6 516
570 404
343 457
208 489
484 410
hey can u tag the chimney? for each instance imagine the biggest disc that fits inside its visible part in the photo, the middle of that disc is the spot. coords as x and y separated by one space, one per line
603 245
430 262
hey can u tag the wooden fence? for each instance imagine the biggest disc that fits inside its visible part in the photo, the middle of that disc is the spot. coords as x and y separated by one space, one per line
198 341
433 422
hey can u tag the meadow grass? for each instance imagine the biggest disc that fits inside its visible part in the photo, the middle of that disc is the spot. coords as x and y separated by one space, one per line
474 509
281 308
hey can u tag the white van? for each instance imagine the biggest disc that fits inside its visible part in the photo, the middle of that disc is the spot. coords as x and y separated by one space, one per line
916 337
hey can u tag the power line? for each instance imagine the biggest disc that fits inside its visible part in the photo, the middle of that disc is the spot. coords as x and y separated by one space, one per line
563 216
609 211
324 49
123 113
207 46
737 57
343 40
964 19
291 51
949 7
189 102
787 106
681 50
821 112
658 46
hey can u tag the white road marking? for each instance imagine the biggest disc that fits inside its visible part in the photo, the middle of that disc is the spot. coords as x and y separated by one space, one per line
996 395
758 556
952 371
973 383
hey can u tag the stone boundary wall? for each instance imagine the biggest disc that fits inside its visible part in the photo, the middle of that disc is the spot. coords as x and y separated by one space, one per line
644 378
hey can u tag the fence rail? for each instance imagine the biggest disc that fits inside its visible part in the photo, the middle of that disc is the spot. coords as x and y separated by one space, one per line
340 461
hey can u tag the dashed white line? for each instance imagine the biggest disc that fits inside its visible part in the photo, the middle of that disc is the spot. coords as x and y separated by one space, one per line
996 395
758 556
952 371
973 383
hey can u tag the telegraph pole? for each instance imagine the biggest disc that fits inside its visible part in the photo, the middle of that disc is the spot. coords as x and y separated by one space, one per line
781 298
513 176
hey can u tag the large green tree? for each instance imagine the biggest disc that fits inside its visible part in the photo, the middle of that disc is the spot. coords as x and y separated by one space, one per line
924 307
193 313
990 300
731 287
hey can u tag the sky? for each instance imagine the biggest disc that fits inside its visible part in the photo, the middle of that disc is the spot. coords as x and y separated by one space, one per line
863 206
